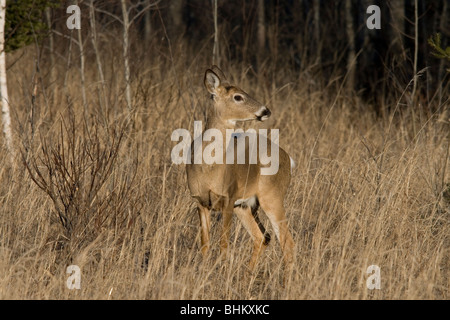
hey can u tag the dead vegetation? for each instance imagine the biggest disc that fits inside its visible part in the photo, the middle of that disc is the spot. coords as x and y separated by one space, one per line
100 191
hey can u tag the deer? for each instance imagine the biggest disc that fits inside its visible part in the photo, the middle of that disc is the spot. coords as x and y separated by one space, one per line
239 188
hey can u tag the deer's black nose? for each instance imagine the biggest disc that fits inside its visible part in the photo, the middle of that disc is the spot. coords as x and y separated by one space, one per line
263 114
266 113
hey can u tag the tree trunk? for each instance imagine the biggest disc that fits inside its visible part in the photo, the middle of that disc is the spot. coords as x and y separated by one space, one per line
317 39
126 25
51 45
261 27
444 28
397 8
416 49
176 13
147 25
261 35
82 74
216 58
298 31
351 57
4 100
103 99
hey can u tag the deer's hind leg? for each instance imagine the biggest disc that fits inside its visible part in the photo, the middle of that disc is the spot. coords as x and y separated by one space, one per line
275 211
247 214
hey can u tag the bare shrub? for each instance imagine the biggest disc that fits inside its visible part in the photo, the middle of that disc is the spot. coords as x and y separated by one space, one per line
77 170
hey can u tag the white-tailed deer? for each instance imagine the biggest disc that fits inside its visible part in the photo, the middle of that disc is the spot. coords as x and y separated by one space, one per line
239 188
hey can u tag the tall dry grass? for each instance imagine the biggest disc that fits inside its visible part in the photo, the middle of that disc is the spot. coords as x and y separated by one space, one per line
365 191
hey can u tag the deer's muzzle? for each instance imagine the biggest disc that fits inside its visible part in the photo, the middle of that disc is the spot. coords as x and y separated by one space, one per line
263 114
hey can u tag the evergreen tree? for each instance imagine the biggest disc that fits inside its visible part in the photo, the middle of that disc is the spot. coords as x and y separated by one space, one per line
25 21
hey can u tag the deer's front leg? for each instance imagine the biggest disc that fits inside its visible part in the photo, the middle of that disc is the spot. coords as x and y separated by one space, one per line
227 214
205 224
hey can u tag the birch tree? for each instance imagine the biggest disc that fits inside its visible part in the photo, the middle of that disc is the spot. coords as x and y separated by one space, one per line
6 118
126 26
82 74
127 21
216 56
102 94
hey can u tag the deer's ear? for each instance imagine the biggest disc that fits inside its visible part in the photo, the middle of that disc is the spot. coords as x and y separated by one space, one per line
212 81
219 73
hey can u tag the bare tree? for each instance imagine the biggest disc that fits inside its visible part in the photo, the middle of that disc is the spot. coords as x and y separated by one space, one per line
126 22
6 118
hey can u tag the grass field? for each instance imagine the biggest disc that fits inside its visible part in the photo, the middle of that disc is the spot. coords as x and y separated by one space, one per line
366 190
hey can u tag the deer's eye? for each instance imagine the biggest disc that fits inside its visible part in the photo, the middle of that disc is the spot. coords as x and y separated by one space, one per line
238 98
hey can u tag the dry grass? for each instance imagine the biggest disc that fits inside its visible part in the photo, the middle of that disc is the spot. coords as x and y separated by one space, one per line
365 191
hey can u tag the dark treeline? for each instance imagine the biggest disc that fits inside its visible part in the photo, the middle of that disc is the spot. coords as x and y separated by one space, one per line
321 39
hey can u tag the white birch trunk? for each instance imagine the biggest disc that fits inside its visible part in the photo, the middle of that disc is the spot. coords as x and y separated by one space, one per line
83 78
216 59
101 76
6 118
126 25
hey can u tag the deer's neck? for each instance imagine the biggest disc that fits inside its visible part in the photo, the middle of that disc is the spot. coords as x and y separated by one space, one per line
215 122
